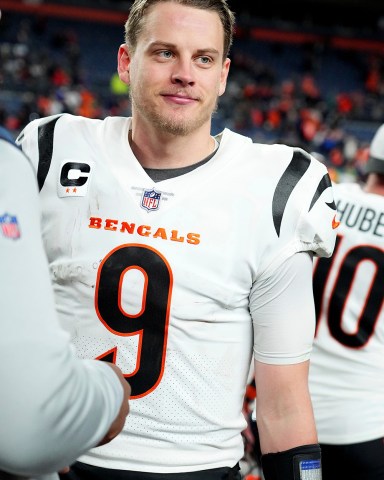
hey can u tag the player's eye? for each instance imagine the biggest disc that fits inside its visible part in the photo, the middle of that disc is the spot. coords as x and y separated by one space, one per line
204 61
166 54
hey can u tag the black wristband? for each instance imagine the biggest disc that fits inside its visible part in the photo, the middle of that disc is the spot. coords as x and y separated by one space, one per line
299 463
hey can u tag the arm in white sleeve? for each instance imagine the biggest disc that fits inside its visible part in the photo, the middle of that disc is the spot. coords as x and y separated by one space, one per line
283 312
53 406
284 317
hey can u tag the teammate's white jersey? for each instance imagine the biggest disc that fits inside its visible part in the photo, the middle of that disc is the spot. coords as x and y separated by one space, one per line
161 277
53 407
347 362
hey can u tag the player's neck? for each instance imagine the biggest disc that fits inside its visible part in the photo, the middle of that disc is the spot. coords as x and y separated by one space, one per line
170 151
375 184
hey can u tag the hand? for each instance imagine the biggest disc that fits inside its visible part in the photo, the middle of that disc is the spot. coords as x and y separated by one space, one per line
118 424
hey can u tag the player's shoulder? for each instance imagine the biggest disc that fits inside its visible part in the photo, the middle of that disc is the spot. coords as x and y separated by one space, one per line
279 154
295 158
290 162
347 188
63 122
354 193
50 121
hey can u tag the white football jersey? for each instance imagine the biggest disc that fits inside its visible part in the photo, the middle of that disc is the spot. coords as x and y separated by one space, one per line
43 383
347 362
161 277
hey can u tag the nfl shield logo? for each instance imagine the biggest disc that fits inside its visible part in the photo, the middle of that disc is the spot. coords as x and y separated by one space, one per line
150 200
9 226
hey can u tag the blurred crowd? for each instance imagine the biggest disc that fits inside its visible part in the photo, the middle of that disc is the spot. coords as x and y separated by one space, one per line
44 72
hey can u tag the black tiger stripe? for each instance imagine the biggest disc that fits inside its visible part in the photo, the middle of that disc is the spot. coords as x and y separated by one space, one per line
20 138
290 178
324 183
45 144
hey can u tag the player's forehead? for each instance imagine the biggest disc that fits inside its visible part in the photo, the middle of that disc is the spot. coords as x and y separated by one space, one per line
178 24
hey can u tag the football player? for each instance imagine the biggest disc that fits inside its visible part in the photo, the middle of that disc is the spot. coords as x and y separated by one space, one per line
183 252
346 374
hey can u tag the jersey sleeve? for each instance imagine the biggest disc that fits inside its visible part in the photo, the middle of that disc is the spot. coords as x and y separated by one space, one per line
281 301
304 213
316 229
283 313
54 406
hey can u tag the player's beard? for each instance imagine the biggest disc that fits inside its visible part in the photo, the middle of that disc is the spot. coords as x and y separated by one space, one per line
172 123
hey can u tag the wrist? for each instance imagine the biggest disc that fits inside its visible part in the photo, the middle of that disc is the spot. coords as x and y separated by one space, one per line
297 463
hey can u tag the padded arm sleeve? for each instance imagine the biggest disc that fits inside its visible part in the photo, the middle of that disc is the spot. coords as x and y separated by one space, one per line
298 463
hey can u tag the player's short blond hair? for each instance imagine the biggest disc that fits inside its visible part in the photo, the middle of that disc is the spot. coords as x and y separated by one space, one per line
134 24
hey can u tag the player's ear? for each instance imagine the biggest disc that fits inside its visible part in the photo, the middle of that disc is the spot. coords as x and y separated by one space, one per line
224 76
123 63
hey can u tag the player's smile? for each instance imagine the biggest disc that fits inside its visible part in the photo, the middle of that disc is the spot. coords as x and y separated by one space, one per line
179 99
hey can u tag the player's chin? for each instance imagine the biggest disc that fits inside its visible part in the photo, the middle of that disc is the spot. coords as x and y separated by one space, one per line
177 124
